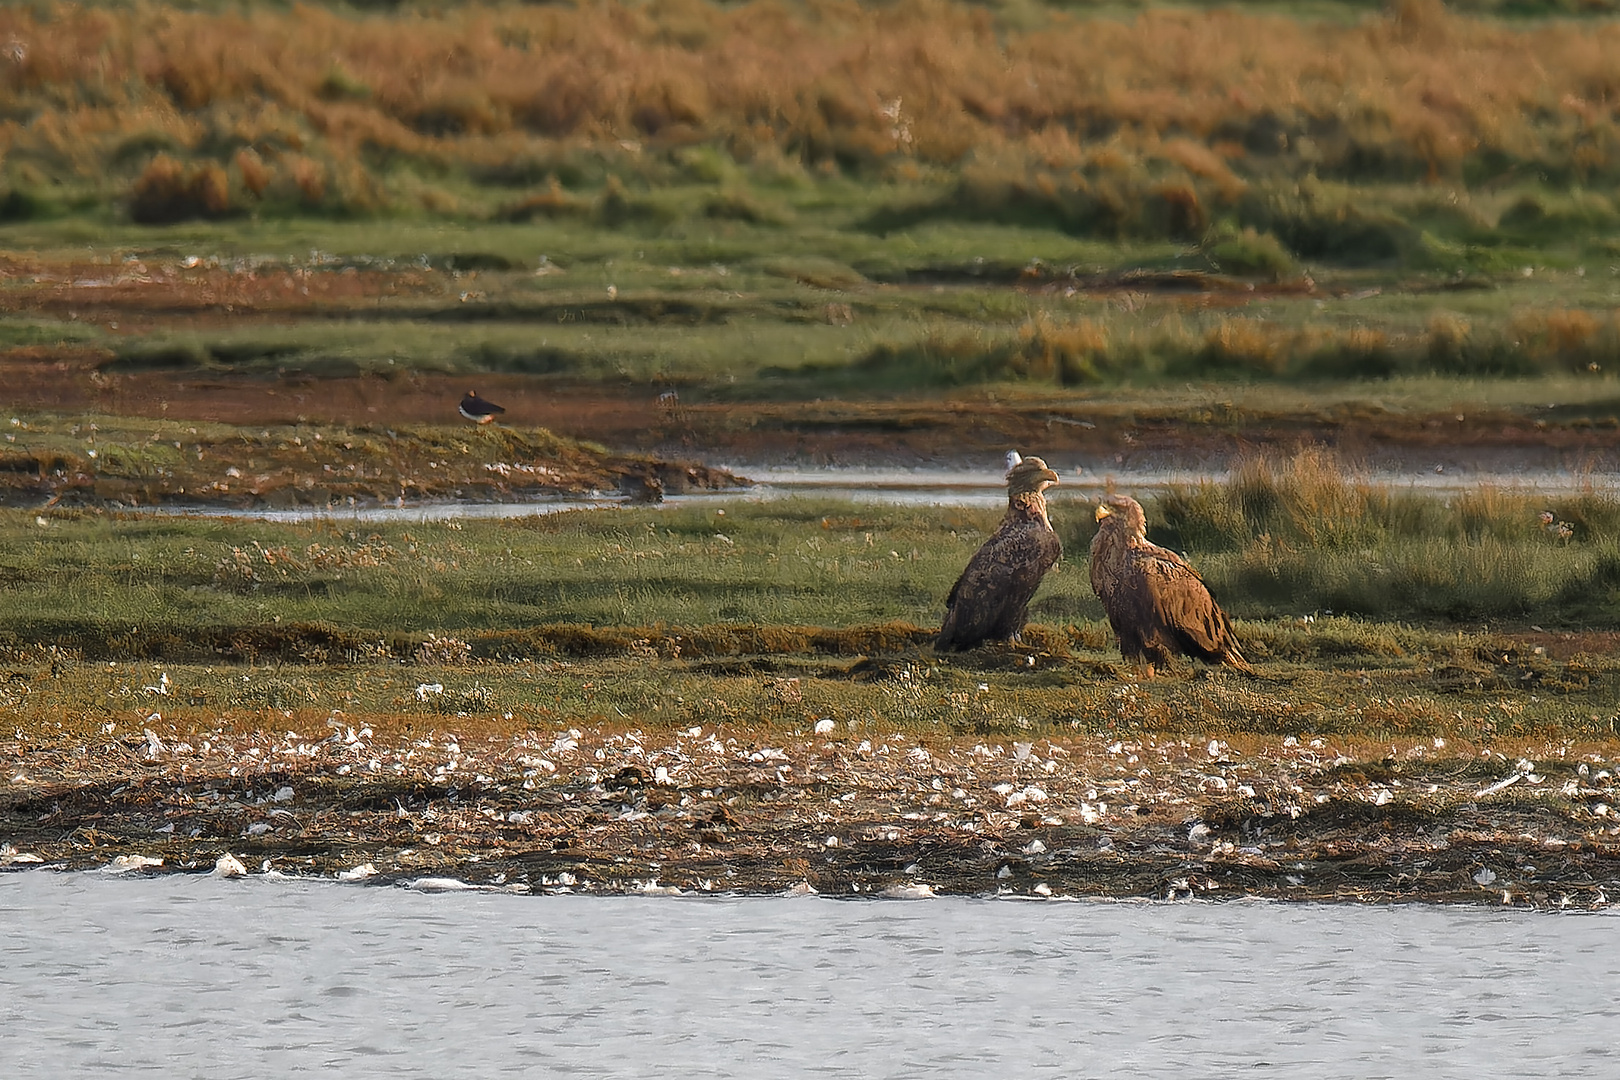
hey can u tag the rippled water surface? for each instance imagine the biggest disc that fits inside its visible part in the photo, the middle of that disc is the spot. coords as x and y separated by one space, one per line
195 976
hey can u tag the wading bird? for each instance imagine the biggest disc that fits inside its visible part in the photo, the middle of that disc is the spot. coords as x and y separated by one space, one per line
990 601
477 409
1156 603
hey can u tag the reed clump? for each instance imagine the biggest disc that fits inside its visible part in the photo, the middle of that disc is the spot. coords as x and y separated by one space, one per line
1309 533
167 191
1158 126
1049 348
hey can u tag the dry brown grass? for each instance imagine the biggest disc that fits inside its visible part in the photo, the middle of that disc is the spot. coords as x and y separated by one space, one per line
1210 97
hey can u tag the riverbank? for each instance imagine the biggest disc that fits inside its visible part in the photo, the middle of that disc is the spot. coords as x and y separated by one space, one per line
751 808
79 438
121 462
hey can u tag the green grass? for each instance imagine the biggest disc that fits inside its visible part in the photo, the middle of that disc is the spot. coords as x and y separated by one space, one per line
1273 545
685 615
1457 689
827 307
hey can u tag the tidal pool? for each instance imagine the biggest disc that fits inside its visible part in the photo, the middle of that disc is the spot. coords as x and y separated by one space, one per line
914 487
191 976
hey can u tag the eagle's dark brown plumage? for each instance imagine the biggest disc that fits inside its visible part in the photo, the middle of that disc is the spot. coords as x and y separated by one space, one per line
1156 603
990 601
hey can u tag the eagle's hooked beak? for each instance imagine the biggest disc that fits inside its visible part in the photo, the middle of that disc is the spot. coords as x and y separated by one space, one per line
1103 511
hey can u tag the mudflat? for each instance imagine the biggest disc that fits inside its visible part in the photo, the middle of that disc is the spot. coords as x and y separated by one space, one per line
745 808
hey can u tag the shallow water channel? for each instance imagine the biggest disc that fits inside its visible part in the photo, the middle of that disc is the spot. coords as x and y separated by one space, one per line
189 976
922 487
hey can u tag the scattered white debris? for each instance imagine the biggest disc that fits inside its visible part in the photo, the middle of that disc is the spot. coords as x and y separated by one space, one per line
1028 795
444 884
125 863
910 891
426 690
229 865
10 856
357 873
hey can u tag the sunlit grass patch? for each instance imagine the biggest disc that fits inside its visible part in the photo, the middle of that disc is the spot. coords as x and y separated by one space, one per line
1197 119
1477 688
787 578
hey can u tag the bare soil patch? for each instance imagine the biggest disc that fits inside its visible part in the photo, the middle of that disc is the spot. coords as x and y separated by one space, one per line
938 429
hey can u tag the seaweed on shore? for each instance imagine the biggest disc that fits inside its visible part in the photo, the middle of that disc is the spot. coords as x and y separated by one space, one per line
740 808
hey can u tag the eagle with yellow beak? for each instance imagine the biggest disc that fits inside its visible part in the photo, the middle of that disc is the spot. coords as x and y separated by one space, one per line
1156 603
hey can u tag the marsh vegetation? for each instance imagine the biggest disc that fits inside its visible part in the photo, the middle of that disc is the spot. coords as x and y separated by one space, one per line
252 255
805 200
1278 540
610 700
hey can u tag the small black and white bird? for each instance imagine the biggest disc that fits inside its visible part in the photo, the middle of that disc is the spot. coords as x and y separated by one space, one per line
477 409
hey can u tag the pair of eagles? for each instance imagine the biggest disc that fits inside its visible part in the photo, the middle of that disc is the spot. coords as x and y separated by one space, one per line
1156 603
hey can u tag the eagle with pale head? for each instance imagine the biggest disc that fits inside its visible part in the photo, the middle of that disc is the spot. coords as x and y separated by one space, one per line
990 601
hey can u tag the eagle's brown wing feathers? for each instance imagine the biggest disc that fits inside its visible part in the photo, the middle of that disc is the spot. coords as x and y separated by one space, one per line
1182 604
990 601
1156 602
